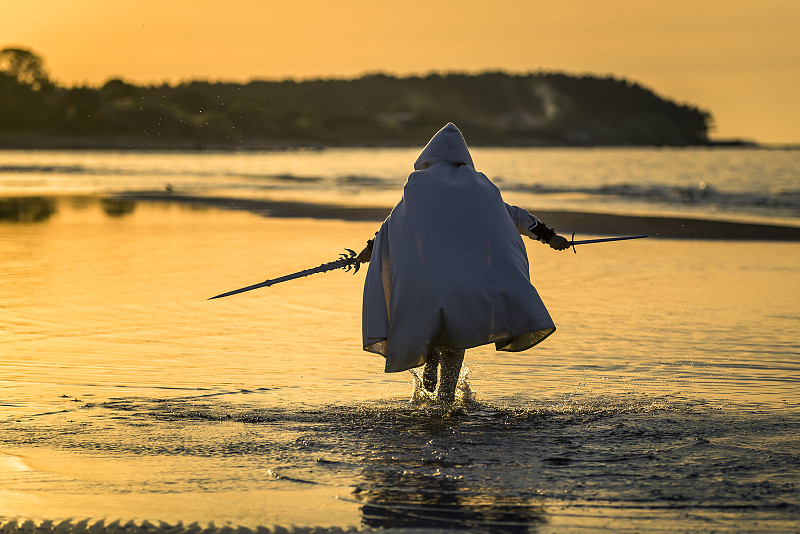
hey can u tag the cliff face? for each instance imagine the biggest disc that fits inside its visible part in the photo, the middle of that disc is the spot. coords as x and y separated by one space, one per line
495 108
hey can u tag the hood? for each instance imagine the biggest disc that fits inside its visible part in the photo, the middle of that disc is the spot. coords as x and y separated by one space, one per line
447 145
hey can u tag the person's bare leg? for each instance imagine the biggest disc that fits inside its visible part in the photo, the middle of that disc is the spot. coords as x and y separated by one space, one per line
451 360
430 372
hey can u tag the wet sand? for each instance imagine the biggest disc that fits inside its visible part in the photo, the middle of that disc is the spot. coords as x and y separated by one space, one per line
564 221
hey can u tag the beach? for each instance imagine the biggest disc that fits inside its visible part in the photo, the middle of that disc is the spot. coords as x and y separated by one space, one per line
222 225
666 400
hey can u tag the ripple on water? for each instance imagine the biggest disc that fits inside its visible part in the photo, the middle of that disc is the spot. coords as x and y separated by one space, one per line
499 468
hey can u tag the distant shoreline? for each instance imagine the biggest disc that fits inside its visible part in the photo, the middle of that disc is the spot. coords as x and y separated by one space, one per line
564 221
495 108
22 142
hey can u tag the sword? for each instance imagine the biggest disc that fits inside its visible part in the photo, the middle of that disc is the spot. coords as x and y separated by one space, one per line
602 240
346 261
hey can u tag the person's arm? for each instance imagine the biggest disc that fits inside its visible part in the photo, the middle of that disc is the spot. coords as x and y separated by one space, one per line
529 225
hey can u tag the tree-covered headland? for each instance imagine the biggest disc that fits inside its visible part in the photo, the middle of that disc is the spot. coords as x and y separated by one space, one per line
494 108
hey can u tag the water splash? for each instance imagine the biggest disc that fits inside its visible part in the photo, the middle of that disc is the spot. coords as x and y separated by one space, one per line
422 397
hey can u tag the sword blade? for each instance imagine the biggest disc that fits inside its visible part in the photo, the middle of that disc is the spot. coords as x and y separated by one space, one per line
265 283
346 262
606 239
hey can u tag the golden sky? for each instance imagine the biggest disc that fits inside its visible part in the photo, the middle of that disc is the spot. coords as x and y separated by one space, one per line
739 59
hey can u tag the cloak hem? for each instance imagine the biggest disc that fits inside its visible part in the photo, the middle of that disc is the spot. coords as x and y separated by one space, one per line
516 343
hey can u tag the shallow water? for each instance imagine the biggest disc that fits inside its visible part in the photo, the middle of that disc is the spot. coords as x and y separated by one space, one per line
667 399
643 464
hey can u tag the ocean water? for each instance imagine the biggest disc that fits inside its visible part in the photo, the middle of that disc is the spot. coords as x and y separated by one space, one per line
737 184
667 400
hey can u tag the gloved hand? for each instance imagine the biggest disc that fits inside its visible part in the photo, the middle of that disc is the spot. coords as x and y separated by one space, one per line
365 255
558 242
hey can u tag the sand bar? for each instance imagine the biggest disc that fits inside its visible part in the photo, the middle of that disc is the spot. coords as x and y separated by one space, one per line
565 222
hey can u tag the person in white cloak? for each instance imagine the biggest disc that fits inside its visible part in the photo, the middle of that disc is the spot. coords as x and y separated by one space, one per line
448 270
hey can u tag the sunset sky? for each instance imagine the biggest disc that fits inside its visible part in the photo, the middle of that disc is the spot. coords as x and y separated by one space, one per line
738 59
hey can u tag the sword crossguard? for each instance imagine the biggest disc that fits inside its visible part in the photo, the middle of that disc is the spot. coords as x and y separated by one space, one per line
350 257
572 242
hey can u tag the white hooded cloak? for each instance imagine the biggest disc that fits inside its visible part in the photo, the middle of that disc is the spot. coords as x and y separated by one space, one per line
448 265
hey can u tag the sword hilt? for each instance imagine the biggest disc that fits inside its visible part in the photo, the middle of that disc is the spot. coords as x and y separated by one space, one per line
350 258
572 242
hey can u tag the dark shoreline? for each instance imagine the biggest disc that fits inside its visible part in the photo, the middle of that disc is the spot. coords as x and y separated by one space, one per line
31 142
565 222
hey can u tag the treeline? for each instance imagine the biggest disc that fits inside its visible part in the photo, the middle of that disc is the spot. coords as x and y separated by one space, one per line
493 108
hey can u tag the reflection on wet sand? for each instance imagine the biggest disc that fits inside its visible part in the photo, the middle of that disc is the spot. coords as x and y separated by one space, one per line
41 209
114 207
26 209
417 478
423 471
395 497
